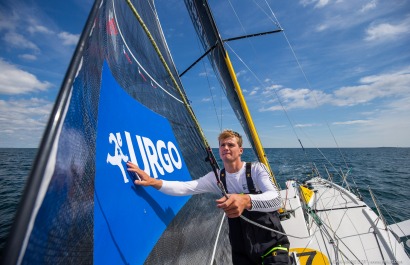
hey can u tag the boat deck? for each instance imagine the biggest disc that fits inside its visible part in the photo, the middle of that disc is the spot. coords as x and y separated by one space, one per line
339 227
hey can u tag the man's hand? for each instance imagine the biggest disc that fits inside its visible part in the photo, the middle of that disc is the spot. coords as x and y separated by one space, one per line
146 180
235 205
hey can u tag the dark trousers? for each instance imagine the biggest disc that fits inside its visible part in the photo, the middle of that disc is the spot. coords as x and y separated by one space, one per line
249 242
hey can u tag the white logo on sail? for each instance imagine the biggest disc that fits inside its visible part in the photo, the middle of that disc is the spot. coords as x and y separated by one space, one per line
159 157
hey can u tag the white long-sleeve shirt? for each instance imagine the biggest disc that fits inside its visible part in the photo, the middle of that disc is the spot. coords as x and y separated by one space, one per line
267 201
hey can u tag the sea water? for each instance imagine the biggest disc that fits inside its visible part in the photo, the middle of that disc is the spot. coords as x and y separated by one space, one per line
386 171
15 165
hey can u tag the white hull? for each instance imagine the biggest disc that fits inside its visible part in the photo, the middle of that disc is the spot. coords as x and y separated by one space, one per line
340 226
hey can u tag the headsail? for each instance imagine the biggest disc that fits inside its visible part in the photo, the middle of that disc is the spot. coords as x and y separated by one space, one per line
118 103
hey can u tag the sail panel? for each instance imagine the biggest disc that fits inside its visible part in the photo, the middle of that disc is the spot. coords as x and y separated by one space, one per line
122 105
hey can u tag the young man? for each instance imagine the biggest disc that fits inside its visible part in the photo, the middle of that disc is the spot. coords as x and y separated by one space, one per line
250 244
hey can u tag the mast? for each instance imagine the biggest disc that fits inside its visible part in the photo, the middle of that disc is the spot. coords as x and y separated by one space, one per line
260 152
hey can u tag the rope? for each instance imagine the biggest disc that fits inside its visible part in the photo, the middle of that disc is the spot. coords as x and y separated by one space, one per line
217 239
224 193
272 230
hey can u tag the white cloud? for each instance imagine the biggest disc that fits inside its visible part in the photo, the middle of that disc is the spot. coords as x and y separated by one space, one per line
322 27
375 86
253 92
368 6
28 57
353 122
208 72
240 73
39 29
22 122
321 3
387 31
300 125
302 98
389 85
389 126
68 38
272 108
27 32
8 21
351 15
18 41
316 3
15 81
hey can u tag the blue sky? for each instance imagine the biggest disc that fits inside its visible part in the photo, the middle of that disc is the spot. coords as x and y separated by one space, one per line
354 87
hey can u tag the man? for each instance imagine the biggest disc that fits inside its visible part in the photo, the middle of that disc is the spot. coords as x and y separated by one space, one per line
251 244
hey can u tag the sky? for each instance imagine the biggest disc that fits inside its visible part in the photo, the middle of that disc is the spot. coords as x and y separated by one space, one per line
337 76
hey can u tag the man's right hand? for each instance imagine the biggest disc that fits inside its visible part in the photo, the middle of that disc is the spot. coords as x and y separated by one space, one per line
146 180
235 204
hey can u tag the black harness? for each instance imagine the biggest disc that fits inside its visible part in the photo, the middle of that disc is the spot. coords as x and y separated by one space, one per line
249 181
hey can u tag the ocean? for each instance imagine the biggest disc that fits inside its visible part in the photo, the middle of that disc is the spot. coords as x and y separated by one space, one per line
385 170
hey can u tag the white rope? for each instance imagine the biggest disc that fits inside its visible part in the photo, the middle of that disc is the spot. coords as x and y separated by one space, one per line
216 240
273 230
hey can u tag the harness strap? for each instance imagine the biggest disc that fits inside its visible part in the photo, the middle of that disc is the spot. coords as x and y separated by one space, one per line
249 181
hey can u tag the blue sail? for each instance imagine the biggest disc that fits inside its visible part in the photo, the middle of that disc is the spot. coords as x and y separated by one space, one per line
121 101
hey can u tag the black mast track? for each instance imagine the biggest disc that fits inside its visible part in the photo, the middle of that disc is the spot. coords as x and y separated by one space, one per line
14 246
226 40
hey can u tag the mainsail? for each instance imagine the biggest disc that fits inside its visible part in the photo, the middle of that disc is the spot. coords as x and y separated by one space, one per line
212 43
120 100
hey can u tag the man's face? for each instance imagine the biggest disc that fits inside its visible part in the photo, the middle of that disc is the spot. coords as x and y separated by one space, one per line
229 149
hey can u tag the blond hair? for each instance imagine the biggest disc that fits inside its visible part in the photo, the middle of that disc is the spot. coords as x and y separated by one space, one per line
228 134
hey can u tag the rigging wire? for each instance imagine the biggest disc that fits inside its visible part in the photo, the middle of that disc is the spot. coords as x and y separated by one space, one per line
340 223
260 83
336 239
218 116
275 21
308 83
243 28
324 231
